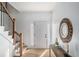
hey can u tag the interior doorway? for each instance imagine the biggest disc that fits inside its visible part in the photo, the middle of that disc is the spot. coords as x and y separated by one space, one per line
41 34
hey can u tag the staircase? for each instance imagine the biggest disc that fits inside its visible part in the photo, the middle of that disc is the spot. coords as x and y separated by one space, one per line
8 43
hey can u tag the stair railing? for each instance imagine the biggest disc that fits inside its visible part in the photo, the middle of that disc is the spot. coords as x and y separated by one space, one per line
14 33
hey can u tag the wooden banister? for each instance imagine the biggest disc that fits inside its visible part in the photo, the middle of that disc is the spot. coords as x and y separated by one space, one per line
21 44
17 33
13 26
20 35
7 11
13 36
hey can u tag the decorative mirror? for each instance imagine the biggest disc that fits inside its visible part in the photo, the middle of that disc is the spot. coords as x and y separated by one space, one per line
66 30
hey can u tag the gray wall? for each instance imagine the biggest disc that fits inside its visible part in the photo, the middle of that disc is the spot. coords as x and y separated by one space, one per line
71 11
24 21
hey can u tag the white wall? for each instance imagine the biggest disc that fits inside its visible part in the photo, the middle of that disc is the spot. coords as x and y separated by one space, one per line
71 11
25 20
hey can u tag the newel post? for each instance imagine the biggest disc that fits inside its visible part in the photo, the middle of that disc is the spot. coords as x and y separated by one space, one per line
13 30
21 44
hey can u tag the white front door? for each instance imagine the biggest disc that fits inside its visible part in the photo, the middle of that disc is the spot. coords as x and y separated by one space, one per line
41 34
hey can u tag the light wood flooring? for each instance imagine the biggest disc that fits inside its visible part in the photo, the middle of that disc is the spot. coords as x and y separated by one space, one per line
37 53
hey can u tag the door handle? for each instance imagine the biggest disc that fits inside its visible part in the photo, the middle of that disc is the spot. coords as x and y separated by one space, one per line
45 35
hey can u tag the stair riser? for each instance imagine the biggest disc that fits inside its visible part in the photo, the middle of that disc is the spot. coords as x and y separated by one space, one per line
1 28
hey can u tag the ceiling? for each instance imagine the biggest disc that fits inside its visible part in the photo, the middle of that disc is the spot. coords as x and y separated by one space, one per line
33 6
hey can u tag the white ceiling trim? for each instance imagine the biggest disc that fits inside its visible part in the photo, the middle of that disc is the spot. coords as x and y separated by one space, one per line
33 6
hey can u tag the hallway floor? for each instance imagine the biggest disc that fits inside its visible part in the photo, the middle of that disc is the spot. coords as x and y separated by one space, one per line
37 53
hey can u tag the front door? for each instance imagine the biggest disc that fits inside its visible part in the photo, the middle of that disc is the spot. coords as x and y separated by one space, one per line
41 34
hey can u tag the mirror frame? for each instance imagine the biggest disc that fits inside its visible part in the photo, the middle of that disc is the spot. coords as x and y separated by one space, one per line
68 38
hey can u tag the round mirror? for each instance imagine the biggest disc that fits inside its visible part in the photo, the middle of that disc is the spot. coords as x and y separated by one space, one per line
65 30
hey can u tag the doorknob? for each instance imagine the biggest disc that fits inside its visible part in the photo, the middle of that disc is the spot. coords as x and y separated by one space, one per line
45 35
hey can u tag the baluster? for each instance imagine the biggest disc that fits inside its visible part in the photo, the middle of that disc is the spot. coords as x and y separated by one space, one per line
21 44
14 41
1 14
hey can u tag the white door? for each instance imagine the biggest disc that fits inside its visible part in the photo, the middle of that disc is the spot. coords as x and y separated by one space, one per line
41 34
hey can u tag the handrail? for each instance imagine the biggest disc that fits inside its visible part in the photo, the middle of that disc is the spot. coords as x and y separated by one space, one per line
17 33
7 11
14 30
